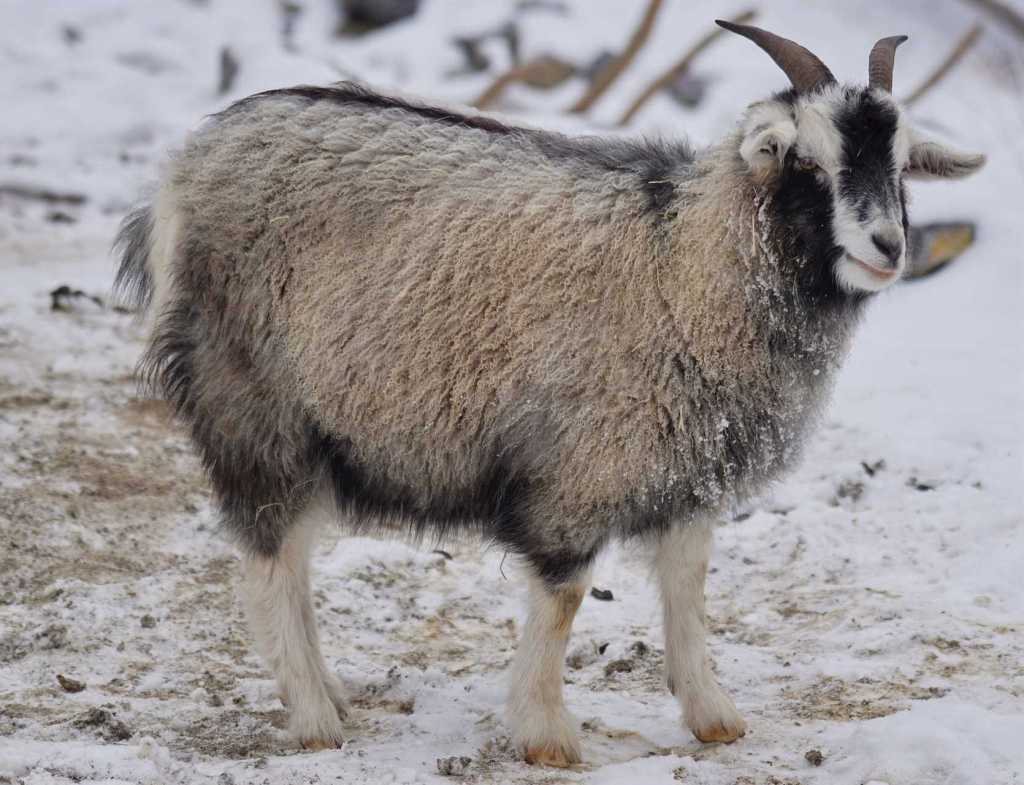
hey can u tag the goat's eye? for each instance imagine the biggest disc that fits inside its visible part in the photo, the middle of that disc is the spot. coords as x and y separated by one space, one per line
807 165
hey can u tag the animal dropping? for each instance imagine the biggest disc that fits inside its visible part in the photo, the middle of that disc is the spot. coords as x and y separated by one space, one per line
424 321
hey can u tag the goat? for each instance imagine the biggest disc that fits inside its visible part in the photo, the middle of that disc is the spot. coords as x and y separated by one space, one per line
436 322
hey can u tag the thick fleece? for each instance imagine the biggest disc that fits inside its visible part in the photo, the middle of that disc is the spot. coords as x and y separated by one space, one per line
456 322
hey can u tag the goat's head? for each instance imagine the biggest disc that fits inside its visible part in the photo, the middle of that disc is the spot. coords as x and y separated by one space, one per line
837 157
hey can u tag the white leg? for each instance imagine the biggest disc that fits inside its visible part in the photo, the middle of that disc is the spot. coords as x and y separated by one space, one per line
278 604
681 563
543 730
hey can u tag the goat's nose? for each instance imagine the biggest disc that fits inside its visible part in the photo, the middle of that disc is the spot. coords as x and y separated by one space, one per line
890 243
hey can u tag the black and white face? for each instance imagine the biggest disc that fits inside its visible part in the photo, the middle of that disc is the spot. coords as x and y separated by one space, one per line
837 159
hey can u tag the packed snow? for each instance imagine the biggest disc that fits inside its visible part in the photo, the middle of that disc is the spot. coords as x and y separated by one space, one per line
866 614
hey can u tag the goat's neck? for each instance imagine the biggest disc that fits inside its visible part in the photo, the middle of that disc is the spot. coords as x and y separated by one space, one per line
736 302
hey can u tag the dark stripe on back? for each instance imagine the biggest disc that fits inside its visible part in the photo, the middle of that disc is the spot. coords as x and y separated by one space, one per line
655 162
350 93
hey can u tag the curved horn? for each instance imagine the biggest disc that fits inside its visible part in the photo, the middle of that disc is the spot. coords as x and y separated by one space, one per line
880 62
802 66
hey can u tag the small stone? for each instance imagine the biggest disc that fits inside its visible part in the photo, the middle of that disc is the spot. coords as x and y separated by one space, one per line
605 595
920 485
454 766
639 649
52 637
226 778
147 621
106 724
814 757
618 666
871 469
850 489
69 684
582 656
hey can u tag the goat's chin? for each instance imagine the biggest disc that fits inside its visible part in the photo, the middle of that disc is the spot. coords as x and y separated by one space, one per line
856 276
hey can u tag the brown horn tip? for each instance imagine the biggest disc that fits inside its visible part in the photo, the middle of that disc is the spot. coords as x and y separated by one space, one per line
802 66
881 60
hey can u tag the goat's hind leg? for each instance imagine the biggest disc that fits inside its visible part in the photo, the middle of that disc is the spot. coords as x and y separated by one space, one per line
276 593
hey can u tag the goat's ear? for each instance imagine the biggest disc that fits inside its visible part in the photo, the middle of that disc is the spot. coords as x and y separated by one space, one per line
768 133
932 161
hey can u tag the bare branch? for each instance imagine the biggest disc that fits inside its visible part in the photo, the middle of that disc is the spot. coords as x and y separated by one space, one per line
40 193
546 71
1003 13
228 70
607 75
955 56
677 70
492 93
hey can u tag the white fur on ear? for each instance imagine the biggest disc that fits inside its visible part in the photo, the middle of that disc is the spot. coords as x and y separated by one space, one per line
931 161
768 133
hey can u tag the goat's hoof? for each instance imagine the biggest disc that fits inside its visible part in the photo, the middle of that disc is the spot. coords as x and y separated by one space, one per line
712 717
547 738
559 756
320 730
319 745
722 732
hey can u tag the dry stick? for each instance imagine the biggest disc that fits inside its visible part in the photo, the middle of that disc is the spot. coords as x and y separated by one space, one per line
1007 16
607 75
41 193
680 67
491 94
545 71
963 46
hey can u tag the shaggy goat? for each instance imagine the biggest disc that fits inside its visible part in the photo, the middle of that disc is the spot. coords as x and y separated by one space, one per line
436 321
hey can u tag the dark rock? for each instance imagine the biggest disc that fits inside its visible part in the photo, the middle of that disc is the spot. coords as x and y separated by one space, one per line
618 666
70 685
850 489
871 469
362 16
229 66
105 723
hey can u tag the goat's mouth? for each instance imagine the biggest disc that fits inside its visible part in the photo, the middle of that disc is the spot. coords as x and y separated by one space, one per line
880 273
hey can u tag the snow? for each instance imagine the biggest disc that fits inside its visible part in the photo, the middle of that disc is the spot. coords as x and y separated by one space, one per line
875 617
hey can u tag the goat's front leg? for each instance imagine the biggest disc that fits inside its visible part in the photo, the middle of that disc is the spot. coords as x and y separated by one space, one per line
543 730
681 563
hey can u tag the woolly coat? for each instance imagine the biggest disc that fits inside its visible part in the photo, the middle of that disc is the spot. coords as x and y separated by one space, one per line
455 322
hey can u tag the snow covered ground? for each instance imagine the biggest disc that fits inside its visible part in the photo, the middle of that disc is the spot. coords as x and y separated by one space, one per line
869 608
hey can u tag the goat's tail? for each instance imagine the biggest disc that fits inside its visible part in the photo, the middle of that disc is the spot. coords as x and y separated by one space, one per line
133 284
146 244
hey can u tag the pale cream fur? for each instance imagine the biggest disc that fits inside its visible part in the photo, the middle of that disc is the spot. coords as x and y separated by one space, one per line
276 595
680 562
163 239
543 730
